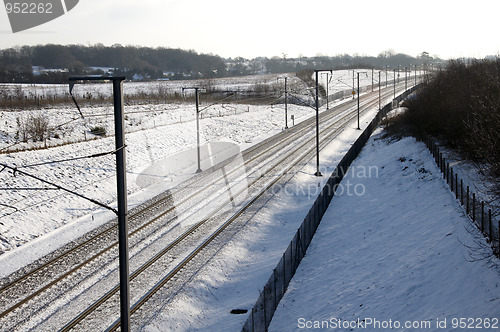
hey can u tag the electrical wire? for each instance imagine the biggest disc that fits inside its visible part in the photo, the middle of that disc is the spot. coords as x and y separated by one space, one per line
16 170
52 197
9 207
96 155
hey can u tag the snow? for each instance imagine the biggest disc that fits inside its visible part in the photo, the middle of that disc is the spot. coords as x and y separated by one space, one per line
42 212
392 246
154 133
233 278
395 250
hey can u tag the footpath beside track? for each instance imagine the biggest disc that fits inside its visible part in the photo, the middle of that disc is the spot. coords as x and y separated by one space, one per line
262 312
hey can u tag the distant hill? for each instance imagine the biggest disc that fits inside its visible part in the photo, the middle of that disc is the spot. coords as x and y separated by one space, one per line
54 63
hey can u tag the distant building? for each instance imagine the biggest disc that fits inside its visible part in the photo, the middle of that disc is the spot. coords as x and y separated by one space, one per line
39 70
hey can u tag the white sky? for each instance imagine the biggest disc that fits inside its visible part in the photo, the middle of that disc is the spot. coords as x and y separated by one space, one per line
231 28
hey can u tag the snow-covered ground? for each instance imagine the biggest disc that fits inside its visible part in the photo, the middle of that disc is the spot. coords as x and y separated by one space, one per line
340 80
396 252
154 132
42 211
392 246
233 278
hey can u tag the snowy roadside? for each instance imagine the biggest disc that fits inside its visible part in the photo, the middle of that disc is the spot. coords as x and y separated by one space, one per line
392 252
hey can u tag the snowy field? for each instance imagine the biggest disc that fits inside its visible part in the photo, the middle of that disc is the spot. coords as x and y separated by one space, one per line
399 251
338 80
154 132
42 211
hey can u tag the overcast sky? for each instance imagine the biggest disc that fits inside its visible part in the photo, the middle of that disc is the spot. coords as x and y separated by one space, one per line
231 28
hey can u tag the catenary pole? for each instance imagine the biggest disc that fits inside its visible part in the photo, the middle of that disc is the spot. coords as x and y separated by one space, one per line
121 184
197 97
379 87
358 102
286 101
122 205
286 104
318 173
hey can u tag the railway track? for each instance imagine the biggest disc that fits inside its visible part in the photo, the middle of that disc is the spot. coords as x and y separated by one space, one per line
156 220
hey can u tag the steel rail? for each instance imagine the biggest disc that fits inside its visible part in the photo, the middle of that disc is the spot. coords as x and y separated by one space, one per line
135 215
75 268
350 116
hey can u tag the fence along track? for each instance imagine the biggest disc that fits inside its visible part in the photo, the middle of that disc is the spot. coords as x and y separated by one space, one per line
108 230
275 288
328 137
479 212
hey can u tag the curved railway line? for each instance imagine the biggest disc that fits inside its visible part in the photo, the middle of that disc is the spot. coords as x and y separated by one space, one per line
27 297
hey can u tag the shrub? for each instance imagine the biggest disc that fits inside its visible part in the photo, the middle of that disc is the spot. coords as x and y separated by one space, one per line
35 127
98 130
462 105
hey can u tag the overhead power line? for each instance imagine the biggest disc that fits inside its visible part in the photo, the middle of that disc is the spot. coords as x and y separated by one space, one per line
96 155
15 171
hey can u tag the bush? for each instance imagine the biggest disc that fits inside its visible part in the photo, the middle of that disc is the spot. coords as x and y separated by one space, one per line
35 127
98 130
462 105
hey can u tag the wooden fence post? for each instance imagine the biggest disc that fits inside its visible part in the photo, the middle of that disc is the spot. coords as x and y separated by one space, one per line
461 191
490 228
467 208
451 178
482 216
474 207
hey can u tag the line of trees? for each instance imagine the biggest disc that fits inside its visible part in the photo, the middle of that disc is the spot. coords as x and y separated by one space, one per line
16 64
461 104
145 63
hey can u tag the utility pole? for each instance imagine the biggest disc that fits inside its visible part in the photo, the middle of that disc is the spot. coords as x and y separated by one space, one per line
359 92
372 79
121 183
358 101
196 91
122 202
327 84
415 74
353 83
318 173
406 78
394 83
379 87
286 102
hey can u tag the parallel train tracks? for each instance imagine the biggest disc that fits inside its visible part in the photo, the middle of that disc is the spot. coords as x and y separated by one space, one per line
158 229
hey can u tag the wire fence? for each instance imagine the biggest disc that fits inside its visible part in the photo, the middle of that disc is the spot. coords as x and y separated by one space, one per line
275 288
480 212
